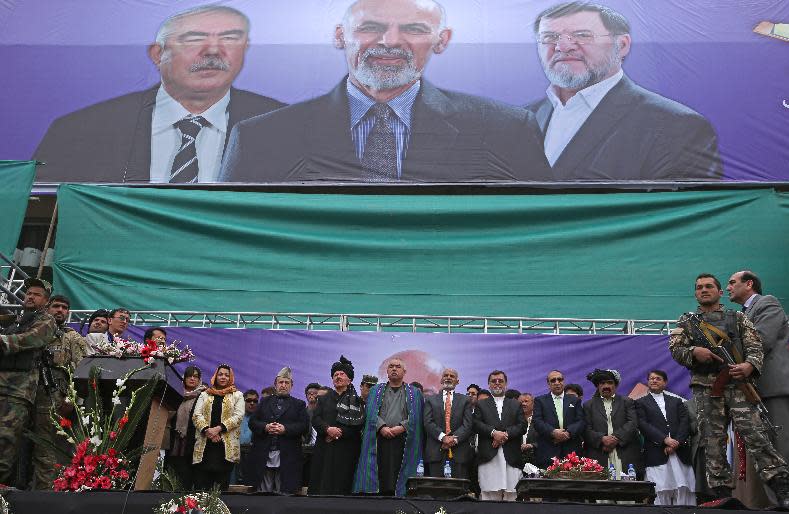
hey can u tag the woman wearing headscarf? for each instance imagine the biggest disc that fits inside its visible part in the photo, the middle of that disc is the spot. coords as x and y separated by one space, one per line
338 419
183 435
217 418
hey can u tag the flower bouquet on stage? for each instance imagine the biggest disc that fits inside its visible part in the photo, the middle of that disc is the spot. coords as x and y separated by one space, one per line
576 468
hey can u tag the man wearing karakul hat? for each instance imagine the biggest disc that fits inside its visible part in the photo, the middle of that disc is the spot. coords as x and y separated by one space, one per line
611 434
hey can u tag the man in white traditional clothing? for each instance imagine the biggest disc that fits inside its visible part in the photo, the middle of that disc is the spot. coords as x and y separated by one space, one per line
500 424
665 424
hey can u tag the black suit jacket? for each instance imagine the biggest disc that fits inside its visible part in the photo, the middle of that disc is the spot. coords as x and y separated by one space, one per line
625 423
545 421
454 138
635 134
655 428
460 424
111 141
486 419
296 421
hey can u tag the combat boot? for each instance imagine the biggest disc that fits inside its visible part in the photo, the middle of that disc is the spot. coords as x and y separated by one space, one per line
780 486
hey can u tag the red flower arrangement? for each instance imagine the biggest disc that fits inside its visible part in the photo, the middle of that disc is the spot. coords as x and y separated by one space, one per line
573 466
90 470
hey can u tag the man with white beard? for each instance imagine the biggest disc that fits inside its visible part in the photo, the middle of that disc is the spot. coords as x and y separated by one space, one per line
384 122
598 124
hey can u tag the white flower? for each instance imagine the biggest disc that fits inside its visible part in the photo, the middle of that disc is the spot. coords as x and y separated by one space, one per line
170 360
70 440
86 420
173 508
95 441
119 382
116 400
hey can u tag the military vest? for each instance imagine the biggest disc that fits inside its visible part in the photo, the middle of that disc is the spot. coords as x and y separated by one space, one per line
726 322
22 361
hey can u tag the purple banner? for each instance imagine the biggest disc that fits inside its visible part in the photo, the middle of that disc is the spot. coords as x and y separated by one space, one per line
257 355
703 95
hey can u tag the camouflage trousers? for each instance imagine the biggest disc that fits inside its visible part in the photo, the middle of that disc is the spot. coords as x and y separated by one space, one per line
14 420
45 458
714 415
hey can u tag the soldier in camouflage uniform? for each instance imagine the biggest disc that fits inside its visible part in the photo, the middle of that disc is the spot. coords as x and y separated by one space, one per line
65 350
21 346
714 411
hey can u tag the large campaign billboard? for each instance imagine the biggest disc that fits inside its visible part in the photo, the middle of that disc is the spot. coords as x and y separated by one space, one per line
397 91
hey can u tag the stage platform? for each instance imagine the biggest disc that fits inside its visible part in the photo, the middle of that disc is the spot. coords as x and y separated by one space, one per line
29 502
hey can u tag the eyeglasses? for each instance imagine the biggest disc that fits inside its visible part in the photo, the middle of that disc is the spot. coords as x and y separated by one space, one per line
579 37
497 380
251 400
555 380
124 319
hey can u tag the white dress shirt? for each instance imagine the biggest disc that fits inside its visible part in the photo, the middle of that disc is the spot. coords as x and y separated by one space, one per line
568 118
166 139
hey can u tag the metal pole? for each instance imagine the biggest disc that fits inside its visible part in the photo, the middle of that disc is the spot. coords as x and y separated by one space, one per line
49 238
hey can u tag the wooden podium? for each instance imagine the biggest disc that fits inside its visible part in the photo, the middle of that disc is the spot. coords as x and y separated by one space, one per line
166 397
437 488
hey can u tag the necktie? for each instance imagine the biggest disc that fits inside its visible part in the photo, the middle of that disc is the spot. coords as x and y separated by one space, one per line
557 404
379 160
447 415
185 168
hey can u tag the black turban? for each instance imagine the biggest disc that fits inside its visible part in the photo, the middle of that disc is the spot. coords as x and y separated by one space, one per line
599 375
343 365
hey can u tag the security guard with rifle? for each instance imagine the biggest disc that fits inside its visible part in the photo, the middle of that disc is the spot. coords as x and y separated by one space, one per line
722 349
64 351
21 348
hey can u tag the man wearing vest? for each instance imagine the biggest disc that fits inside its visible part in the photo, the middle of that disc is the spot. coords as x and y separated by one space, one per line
21 346
718 388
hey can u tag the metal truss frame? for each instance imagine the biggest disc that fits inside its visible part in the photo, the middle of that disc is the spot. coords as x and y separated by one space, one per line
393 323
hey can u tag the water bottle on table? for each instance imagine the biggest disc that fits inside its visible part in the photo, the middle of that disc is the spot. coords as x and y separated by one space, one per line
631 472
420 469
447 470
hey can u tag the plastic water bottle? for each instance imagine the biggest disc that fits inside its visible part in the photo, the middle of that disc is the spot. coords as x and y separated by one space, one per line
631 472
611 472
447 470
420 469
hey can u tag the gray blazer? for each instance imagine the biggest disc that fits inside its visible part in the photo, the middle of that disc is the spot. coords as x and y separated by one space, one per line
625 422
460 423
635 134
770 320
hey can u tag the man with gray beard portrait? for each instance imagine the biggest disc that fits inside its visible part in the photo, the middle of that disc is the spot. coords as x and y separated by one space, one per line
385 122
598 124
173 132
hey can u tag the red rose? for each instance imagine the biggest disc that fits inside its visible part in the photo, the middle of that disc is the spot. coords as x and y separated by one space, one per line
104 482
122 422
65 423
113 435
112 452
123 474
191 503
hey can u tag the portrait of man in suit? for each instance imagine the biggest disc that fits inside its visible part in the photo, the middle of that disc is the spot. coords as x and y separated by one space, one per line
448 428
769 318
611 434
598 124
499 423
385 122
173 132
664 422
559 421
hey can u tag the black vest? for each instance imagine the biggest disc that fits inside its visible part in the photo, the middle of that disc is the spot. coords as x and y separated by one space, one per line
27 360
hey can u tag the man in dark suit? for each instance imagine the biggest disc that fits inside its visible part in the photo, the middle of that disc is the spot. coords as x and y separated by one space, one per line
447 439
665 424
598 124
557 436
769 318
499 424
384 122
611 434
278 425
174 132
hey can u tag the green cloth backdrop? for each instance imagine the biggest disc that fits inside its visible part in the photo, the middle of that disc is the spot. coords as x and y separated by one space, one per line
16 181
624 255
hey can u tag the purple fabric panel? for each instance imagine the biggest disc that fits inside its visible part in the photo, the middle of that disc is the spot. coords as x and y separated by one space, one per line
257 355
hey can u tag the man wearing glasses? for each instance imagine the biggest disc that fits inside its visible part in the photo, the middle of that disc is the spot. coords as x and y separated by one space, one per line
598 124
246 471
559 421
118 323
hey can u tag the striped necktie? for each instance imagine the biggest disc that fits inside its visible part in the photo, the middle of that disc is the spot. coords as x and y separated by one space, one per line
379 160
185 165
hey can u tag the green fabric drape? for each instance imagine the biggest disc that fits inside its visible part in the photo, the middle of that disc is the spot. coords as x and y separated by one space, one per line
625 255
16 181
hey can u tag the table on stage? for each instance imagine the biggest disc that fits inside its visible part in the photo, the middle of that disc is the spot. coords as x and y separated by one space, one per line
586 490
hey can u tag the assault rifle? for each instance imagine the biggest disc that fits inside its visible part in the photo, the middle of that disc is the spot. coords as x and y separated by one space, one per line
701 333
